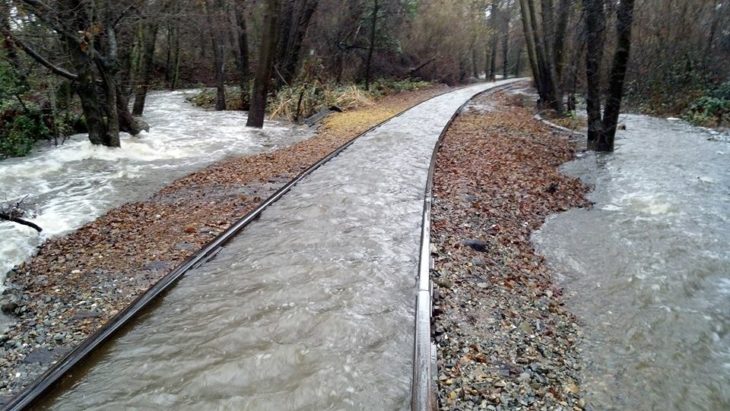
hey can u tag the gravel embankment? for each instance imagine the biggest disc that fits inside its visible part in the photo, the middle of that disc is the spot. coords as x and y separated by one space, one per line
505 340
77 282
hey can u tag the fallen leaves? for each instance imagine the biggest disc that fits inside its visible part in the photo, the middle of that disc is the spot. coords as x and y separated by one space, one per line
106 264
503 335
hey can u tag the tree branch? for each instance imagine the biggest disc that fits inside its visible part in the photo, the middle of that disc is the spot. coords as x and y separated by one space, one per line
40 59
20 221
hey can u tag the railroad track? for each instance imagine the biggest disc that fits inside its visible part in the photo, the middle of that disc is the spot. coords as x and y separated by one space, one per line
423 394
76 358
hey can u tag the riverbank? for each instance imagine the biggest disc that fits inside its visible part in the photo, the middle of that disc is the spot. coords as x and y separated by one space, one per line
77 282
505 340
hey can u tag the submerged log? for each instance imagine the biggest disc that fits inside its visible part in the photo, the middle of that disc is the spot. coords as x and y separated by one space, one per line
14 219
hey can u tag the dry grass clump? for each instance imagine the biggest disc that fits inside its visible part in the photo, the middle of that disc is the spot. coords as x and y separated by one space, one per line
301 101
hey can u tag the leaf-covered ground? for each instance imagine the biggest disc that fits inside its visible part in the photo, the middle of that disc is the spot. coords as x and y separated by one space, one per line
505 340
77 282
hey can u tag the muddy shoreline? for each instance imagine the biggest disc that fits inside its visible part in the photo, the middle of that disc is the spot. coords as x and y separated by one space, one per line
504 338
76 282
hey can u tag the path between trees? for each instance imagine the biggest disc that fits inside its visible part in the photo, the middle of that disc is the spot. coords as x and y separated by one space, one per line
312 306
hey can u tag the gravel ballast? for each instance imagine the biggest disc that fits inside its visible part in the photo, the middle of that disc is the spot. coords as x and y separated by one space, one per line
505 340
77 282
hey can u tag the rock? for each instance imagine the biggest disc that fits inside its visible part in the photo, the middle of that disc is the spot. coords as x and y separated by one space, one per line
39 356
476 245
8 303
482 285
158 265
83 314
185 246
58 337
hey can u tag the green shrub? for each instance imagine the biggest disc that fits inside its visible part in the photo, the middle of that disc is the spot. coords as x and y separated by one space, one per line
722 91
20 136
712 109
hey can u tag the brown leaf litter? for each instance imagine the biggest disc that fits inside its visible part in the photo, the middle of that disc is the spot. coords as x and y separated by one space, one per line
505 340
77 282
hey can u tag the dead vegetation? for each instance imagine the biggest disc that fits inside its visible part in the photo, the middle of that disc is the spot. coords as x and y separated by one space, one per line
504 339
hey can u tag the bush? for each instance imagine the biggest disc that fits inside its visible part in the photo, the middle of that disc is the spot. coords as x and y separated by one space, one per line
712 109
18 139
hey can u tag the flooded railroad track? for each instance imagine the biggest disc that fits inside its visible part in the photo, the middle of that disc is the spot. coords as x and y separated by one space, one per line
312 308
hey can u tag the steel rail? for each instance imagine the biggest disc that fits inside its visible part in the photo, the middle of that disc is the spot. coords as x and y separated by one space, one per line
72 360
423 396
48 380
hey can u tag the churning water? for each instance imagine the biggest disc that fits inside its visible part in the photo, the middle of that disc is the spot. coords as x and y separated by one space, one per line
648 268
311 307
70 185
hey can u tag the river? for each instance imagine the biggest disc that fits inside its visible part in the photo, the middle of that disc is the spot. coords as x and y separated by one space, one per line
647 269
73 184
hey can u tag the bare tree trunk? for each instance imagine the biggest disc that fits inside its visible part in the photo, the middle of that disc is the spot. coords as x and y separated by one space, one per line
172 61
554 96
218 53
493 18
474 61
371 49
243 63
624 21
505 44
518 61
529 42
487 60
265 66
564 10
291 45
595 39
146 67
176 61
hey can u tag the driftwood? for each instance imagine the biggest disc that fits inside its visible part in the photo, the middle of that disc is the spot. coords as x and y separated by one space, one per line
420 66
18 220
14 213
312 120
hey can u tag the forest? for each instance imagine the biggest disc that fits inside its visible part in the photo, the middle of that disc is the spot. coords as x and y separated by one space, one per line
365 204
74 66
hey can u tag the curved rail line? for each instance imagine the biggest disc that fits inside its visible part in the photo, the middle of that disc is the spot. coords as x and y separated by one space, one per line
423 395
48 380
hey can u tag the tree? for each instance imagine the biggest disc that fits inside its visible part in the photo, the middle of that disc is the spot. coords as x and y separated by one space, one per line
149 38
295 20
212 12
265 65
242 58
371 46
602 129
539 35
493 23
88 30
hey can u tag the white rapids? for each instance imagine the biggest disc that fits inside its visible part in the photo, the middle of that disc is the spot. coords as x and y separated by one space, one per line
73 184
